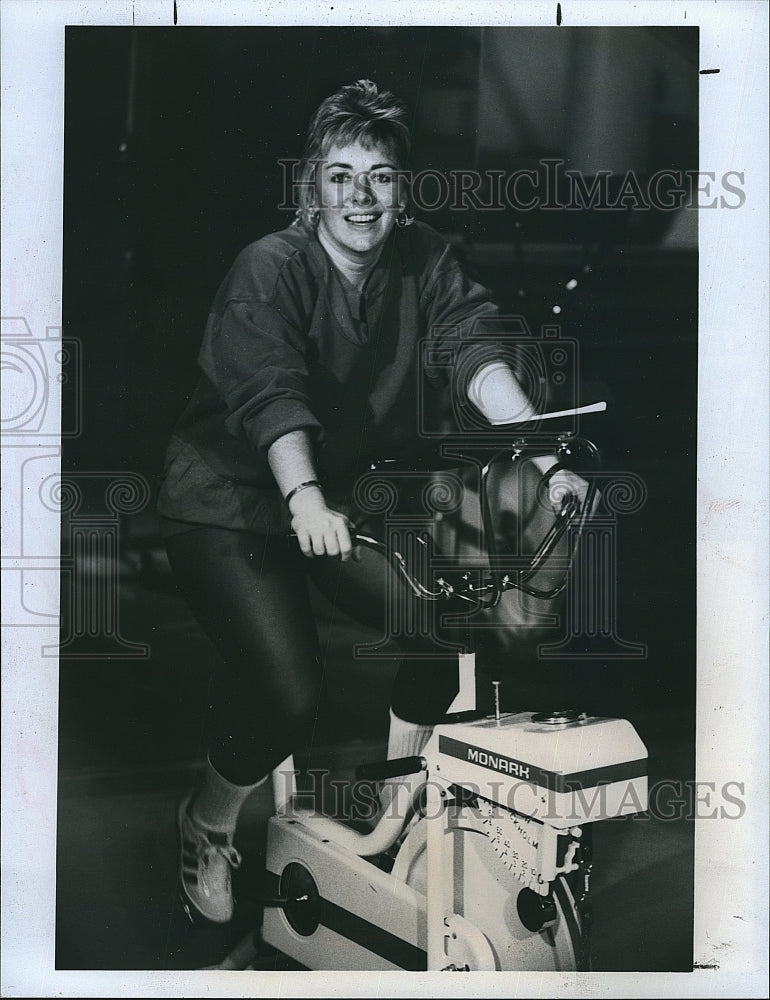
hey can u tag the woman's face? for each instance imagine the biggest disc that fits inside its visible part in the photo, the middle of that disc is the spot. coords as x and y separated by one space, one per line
358 199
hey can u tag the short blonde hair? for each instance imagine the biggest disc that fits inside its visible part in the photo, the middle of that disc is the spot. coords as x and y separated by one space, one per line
358 112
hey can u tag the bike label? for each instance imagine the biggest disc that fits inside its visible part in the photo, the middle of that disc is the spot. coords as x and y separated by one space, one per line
528 772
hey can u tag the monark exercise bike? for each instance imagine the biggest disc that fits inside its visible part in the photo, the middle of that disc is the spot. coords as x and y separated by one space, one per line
482 861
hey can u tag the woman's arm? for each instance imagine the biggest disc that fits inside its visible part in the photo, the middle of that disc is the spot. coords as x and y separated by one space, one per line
319 530
496 393
453 303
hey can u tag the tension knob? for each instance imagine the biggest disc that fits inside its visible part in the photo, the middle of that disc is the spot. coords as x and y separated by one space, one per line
535 911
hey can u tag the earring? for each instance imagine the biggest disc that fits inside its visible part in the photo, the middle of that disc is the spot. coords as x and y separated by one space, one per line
403 220
309 215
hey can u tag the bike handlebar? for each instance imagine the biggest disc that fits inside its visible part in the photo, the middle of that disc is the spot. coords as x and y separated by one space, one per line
463 588
461 585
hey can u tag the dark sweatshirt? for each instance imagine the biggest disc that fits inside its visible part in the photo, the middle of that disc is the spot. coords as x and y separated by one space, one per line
287 347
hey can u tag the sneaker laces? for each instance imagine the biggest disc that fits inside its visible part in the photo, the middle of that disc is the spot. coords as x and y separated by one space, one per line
217 844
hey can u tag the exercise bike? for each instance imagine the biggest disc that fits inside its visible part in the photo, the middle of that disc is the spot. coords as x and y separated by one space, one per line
482 860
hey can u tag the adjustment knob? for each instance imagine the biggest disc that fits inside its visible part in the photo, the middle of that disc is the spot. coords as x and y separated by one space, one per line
535 911
558 717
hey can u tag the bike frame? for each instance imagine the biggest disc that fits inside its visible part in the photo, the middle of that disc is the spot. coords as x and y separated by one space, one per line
319 865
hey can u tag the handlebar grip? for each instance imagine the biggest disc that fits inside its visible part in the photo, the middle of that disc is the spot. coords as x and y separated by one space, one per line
395 768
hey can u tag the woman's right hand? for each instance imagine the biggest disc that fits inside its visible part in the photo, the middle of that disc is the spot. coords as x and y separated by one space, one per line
319 530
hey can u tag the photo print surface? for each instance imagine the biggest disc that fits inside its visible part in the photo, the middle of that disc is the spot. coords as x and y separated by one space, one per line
469 348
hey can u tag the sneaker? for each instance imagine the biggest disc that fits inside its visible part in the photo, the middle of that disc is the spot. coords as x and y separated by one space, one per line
205 868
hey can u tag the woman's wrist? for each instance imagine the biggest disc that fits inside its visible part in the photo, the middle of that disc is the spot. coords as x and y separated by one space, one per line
307 485
308 498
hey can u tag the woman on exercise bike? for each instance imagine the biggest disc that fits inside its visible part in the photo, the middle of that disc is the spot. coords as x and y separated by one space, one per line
309 368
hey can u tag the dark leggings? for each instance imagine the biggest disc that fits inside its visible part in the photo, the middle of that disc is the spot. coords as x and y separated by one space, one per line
249 593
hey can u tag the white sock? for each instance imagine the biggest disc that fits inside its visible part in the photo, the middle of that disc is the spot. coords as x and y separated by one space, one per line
217 802
405 739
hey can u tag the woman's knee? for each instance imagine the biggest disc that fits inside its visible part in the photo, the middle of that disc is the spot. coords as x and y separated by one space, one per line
257 700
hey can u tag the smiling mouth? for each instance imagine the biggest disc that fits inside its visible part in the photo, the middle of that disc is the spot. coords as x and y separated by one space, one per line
362 218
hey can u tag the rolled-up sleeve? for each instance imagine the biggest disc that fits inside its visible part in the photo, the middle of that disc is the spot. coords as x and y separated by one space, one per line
256 359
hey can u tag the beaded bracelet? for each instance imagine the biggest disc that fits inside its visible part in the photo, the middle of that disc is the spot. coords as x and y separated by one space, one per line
302 486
